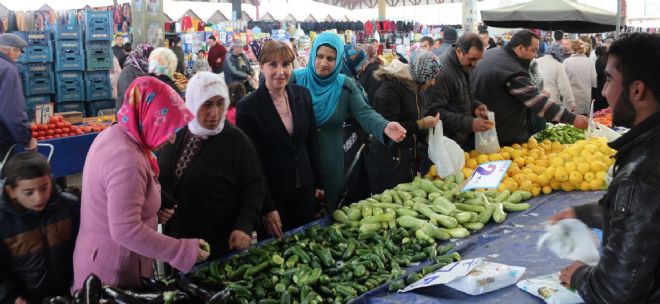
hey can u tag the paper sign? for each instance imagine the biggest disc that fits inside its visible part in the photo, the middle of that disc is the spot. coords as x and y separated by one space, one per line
445 274
488 175
43 112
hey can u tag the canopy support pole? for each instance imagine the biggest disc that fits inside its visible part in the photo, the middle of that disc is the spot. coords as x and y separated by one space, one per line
381 9
618 19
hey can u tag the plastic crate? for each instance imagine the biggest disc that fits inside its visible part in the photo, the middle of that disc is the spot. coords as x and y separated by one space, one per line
35 37
68 32
98 55
69 86
70 106
69 55
37 53
97 86
98 25
34 68
38 83
93 107
33 101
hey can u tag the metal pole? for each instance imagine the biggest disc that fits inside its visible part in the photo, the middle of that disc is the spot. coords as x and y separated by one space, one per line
618 19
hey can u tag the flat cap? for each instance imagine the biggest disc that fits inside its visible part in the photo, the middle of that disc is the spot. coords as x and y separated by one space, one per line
12 40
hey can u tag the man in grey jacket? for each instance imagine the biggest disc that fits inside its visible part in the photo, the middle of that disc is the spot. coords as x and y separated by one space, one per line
450 96
14 125
237 67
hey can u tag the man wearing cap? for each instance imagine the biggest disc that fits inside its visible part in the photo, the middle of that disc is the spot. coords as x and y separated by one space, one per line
237 67
449 37
14 125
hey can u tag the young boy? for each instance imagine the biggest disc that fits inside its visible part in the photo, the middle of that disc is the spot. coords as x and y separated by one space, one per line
38 228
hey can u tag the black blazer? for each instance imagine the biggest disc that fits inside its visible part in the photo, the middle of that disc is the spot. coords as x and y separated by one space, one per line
282 156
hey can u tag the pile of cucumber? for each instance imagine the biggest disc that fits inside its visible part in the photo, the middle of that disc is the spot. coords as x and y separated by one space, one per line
432 210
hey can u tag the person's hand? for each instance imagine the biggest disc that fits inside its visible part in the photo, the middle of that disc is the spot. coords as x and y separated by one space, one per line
20 300
568 213
202 254
32 145
581 122
481 111
273 224
431 121
566 273
395 131
319 193
164 215
481 125
239 240
545 93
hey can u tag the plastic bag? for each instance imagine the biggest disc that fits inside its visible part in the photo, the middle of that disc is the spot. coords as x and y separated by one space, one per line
486 142
550 289
487 277
445 153
571 239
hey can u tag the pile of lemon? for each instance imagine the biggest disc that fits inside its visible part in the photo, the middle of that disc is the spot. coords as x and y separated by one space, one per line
550 166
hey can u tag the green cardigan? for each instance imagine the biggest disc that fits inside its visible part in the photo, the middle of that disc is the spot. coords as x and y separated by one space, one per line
331 137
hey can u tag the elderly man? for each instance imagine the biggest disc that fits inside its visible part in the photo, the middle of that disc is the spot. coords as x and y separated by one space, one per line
14 125
237 67
502 81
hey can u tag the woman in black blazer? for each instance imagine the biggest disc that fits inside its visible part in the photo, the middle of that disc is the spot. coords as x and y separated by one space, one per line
279 119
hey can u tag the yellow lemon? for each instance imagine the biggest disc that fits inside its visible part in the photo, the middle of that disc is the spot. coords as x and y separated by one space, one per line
546 142
467 172
474 154
532 143
519 178
561 175
567 187
501 187
520 161
494 157
527 170
536 191
589 176
542 180
601 175
570 167
542 163
575 178
556 146
482 158
471 163
532 177
505 155
516 146
585 153
557 162
547 190
583 167
525 146
598 166
596 185
466 155
585 186
512 187
515 154
538 170
555 184
550 173
591 148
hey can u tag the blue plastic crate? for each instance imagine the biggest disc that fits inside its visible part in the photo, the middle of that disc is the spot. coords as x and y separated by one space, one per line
71 106
93 107
33 101
35 37
69 86
69 55
97 85
98 25
68 32
37 53
98 55
38 83
34 68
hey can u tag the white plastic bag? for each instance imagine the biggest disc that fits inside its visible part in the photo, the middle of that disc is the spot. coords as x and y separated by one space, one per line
487 277
550 289
445 153
571 239
486 142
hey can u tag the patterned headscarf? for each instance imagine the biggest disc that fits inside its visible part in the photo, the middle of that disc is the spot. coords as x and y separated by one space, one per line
139 57
354 59
151 113
557 51
202 87
162 61
424 65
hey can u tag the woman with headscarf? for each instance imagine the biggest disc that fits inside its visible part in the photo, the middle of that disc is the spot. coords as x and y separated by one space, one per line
136 65
162 65
366 76
335 97
118 240
279 119
555 80
212 172
399 99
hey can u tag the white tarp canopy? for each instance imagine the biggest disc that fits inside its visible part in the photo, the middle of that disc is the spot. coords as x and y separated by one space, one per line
58 5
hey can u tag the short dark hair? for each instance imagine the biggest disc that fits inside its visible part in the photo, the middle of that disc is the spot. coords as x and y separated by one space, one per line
483 32
468 41
24 166
638 59
522 37
236 92
439 40
558 35
427 39
212 38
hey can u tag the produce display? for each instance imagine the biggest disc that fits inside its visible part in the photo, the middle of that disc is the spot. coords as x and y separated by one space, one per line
604 117
58 127
181 81
564 134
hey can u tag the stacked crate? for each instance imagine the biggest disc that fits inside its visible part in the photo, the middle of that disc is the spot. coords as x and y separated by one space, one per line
98 61
69 68
36 69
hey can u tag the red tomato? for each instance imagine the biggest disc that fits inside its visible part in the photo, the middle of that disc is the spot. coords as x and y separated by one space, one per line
42 133
56 136
67 124
60 118
49 137
50 132
34 127
42 127
35 134
40 138
53 120
58 131
51 126
59 124
65 130
78 132
72 134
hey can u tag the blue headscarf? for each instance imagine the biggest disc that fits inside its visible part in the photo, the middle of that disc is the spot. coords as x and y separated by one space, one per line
354 59
325 91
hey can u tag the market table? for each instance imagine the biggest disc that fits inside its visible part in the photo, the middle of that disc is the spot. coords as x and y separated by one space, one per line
512 242
69 153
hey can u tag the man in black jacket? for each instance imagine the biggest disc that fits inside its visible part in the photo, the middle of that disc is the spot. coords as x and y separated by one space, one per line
629 213
450 96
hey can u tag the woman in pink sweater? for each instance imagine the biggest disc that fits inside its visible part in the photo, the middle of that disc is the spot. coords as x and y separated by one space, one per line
121 195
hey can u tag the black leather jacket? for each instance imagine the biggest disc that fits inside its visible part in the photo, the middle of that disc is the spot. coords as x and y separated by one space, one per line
629 267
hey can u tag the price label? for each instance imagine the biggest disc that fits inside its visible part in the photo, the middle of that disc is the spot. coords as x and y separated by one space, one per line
43 113
488 175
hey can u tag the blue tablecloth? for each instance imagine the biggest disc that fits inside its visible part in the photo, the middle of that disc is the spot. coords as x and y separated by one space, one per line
69 153
512 242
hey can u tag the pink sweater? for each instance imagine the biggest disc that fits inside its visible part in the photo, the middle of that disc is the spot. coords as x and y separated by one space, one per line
118 217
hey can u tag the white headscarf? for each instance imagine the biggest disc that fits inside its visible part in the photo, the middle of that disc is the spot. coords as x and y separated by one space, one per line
202 87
